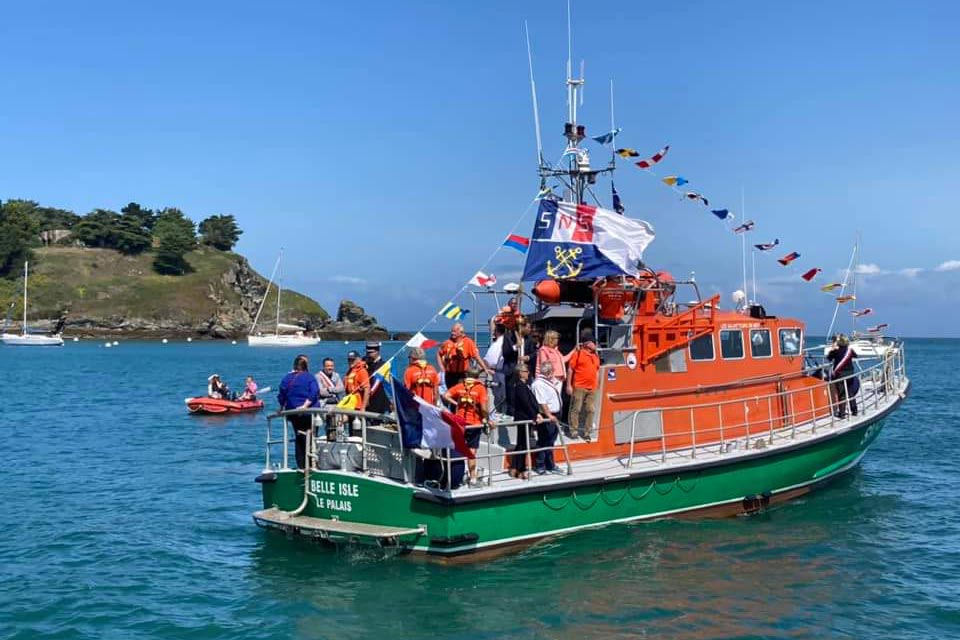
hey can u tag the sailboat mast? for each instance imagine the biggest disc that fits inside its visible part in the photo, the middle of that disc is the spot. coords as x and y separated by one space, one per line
266 293
26 271
279 291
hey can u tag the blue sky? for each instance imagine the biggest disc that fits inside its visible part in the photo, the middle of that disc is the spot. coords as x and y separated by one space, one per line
389 146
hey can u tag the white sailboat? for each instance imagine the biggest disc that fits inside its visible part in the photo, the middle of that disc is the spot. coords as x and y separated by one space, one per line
25 338
295 335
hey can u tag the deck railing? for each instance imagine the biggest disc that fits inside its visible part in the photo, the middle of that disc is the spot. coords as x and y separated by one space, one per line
882 379
885 377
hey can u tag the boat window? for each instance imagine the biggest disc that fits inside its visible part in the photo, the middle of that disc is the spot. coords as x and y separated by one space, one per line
791 342
702 348
760 345
731 344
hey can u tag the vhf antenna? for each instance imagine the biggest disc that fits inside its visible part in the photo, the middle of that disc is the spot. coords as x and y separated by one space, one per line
533 94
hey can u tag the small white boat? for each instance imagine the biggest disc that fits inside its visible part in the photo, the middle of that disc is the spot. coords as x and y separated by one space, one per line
25 338
282 340
871 347
294 336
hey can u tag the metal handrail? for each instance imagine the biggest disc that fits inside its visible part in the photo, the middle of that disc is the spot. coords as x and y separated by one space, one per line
886 377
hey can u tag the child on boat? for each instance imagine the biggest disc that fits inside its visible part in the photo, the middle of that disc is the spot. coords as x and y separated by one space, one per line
249 390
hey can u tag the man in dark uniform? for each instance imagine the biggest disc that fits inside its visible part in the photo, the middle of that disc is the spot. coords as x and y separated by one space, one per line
379 401
846 383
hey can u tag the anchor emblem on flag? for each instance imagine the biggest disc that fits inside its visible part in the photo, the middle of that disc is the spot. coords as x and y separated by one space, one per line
565 260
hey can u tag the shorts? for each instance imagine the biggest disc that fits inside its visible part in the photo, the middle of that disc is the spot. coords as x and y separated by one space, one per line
473 437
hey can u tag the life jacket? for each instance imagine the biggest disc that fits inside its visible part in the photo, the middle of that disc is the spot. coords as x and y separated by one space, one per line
470 404
454 354
424 379
357 378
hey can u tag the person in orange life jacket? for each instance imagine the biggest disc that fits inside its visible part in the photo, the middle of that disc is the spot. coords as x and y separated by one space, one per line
611 299
379 400
841 356
420 377
584 366
455 356
298 390
357 379
509 316
547 390
470 399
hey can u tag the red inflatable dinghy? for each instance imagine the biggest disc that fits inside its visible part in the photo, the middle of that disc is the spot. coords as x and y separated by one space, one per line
204 405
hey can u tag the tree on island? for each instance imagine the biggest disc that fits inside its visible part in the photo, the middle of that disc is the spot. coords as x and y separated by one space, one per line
175 237
144 218
18 231
220 232
110 230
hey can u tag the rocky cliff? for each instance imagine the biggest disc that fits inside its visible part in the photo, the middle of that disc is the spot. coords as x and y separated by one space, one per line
104 293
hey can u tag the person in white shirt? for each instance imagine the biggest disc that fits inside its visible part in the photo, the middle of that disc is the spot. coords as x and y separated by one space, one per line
547 390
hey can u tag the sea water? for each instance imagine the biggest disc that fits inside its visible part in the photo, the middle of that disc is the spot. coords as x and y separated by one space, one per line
125 517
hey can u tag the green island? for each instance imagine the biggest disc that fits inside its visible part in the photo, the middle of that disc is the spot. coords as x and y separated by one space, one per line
147 274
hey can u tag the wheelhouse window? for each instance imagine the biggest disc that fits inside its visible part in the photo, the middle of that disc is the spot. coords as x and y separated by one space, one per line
702 348
791 342
731 344
760 344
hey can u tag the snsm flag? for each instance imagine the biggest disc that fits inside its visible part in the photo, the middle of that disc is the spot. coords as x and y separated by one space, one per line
579 241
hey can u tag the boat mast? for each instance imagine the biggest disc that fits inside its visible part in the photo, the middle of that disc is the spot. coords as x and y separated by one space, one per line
26 271
279 291
575 171
266 293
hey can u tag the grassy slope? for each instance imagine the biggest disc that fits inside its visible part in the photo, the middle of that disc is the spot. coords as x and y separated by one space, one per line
100 283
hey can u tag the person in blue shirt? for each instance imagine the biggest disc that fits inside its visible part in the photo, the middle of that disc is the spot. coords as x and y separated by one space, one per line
299 390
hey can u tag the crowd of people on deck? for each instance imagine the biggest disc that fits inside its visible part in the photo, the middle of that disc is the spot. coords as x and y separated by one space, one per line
522 375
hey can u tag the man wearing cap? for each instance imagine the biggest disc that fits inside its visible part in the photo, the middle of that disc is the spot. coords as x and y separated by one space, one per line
357 380
379 401
455 356
420 377
583 364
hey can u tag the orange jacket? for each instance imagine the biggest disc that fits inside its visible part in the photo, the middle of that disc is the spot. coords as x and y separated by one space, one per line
611 299
422 380
457 354
584 366
357 379
471 398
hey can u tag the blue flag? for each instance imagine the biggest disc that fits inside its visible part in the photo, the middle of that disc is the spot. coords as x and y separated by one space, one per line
617 203
608 137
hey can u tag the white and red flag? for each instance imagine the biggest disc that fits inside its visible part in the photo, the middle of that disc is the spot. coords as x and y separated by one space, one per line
483 280
422 341
652 160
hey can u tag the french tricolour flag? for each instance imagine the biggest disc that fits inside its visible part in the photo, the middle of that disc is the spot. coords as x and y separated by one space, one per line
424 425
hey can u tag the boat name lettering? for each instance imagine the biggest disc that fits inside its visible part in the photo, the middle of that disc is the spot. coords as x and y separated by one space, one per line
740 325
326 487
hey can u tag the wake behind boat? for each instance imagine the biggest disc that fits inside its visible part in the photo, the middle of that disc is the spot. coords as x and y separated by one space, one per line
25 338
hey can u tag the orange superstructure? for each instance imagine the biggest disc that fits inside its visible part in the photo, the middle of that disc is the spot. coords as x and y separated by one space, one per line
685 374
